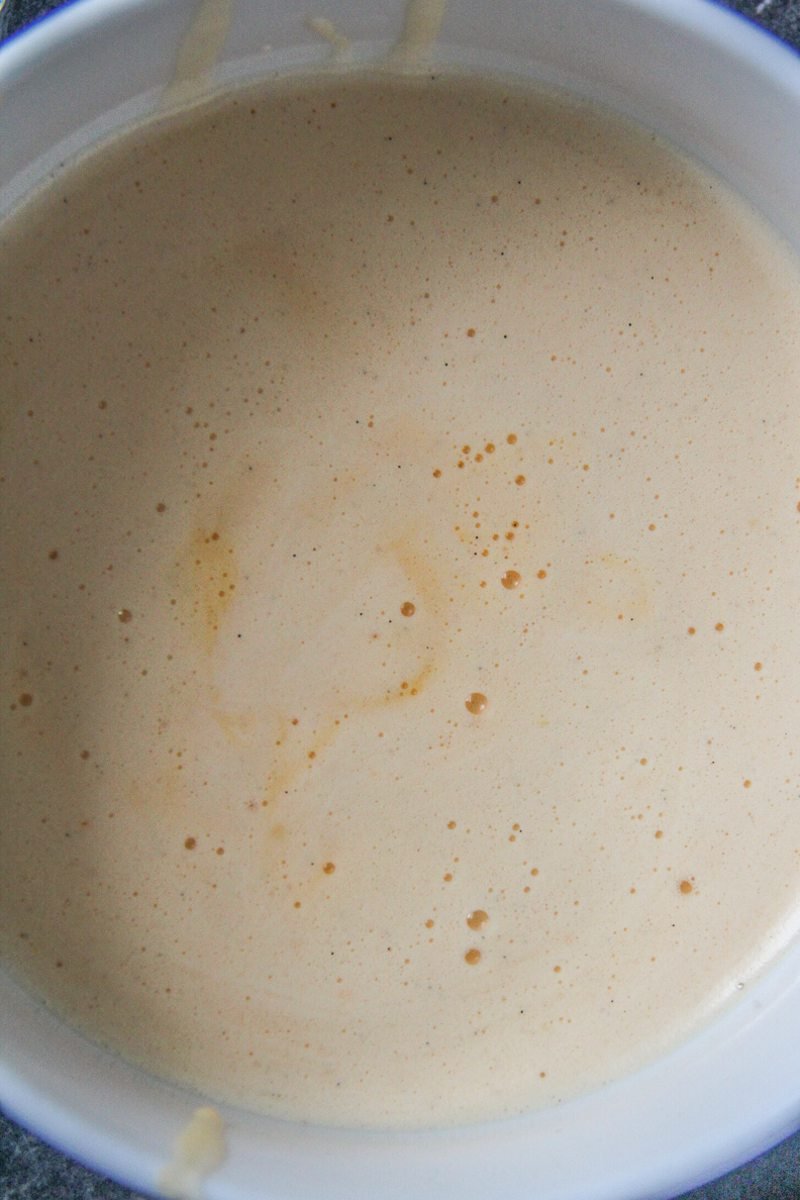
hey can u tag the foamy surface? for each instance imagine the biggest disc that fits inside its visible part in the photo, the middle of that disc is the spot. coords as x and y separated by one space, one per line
401 511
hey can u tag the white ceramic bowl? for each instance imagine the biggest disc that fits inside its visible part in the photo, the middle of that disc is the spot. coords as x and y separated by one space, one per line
730 95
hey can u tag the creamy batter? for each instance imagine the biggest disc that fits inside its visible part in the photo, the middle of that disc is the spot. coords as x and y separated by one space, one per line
401 515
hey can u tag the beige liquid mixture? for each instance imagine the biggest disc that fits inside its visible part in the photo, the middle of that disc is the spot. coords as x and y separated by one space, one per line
401 498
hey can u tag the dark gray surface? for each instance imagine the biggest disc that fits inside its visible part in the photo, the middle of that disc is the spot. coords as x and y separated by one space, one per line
30 1170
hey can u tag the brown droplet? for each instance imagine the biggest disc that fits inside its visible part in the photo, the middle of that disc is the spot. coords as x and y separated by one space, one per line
408 609
512 439
190 843
448 877
476 704
691 631
659 833
759 666
470 332
125 615
451 824
25 700
541 573
329 868
437 474
477 919
557 970
161 507
534 870
511 579
489 447
747 783
685 887
719 626
53 555
472 957
520 479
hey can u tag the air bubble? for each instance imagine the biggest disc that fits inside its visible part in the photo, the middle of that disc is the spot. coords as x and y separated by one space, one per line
477 919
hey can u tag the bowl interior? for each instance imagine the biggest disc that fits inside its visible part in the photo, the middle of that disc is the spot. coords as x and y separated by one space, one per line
729 95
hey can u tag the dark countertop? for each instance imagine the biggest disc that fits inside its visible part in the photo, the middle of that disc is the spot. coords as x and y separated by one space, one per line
31 1170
